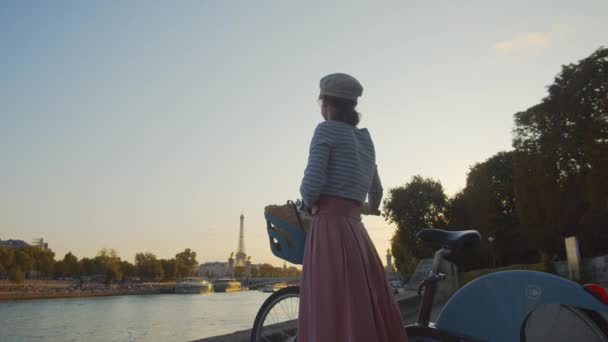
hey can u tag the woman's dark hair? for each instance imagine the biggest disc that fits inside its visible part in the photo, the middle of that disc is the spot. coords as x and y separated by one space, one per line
345 109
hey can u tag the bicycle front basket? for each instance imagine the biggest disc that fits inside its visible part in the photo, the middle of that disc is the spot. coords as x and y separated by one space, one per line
286 240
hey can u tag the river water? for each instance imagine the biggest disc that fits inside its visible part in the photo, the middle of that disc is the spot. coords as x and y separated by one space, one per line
168 317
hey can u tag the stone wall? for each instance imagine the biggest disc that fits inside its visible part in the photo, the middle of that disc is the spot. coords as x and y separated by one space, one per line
593 269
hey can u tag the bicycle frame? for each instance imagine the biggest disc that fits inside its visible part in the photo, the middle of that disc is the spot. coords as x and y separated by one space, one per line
423 330
430 284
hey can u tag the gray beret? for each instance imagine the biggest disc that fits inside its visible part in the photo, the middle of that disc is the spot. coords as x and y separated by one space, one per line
341 85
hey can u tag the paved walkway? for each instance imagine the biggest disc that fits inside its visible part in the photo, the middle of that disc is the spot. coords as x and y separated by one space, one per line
408 304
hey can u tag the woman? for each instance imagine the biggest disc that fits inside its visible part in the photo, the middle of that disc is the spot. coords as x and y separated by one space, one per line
345 295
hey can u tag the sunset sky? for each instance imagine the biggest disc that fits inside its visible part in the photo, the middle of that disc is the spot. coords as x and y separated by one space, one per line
149 126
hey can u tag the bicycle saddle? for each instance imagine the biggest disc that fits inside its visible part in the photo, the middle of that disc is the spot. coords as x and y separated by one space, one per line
450 239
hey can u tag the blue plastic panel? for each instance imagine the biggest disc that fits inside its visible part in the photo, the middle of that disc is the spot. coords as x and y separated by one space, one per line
495 306
292 250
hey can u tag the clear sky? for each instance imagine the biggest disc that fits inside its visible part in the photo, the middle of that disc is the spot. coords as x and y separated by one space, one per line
149 126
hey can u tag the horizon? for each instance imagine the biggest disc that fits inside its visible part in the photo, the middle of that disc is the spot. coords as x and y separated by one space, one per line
149 128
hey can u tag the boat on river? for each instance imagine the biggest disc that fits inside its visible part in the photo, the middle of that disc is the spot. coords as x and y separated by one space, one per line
193 285
227 285
273 287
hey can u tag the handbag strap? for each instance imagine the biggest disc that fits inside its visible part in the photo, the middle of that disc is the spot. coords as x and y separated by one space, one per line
295 208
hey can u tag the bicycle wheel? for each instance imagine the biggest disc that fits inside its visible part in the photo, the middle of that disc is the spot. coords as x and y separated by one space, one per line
276 320
557 322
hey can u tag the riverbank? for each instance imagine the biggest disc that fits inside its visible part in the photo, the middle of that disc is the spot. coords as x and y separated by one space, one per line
49 289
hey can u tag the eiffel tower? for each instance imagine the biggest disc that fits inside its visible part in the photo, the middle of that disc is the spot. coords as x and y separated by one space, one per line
241 256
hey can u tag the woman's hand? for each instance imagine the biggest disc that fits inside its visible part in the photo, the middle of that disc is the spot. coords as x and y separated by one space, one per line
367 210
305 214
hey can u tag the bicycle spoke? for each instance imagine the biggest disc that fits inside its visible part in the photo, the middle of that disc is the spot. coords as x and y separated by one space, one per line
283 308
296 307
274 319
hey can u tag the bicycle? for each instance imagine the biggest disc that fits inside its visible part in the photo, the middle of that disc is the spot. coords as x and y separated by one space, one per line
503 306
286 242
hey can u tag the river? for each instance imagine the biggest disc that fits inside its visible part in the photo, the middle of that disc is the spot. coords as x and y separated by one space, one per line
168 317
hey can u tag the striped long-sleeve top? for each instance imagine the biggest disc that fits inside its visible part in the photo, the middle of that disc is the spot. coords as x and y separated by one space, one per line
341 162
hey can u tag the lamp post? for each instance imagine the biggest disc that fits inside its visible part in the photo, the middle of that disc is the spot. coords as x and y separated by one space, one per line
491 241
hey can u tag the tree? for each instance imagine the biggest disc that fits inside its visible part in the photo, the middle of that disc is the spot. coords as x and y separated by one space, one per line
186 261
278 272
266 271
17 262
7 256
59 270
110 264
487 204
169 268
255 272
405 261
562 158
23 260
71 265
67 267
148 267
43 261
293 271
108 253
113 273
239 271
127 269
417 205
91 267
16 275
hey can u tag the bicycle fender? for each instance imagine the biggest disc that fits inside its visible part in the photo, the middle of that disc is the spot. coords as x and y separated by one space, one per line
495 306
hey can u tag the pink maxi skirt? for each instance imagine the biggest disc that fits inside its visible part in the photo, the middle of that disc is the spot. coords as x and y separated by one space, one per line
345 296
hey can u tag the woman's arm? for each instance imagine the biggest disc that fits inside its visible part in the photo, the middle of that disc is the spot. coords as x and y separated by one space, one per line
374 196
316 169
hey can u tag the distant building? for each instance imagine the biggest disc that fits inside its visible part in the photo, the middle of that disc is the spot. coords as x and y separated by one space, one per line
13 243
41 244
213 269
20 243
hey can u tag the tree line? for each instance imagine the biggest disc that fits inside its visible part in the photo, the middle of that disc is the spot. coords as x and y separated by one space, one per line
266 270
552 184
17 263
